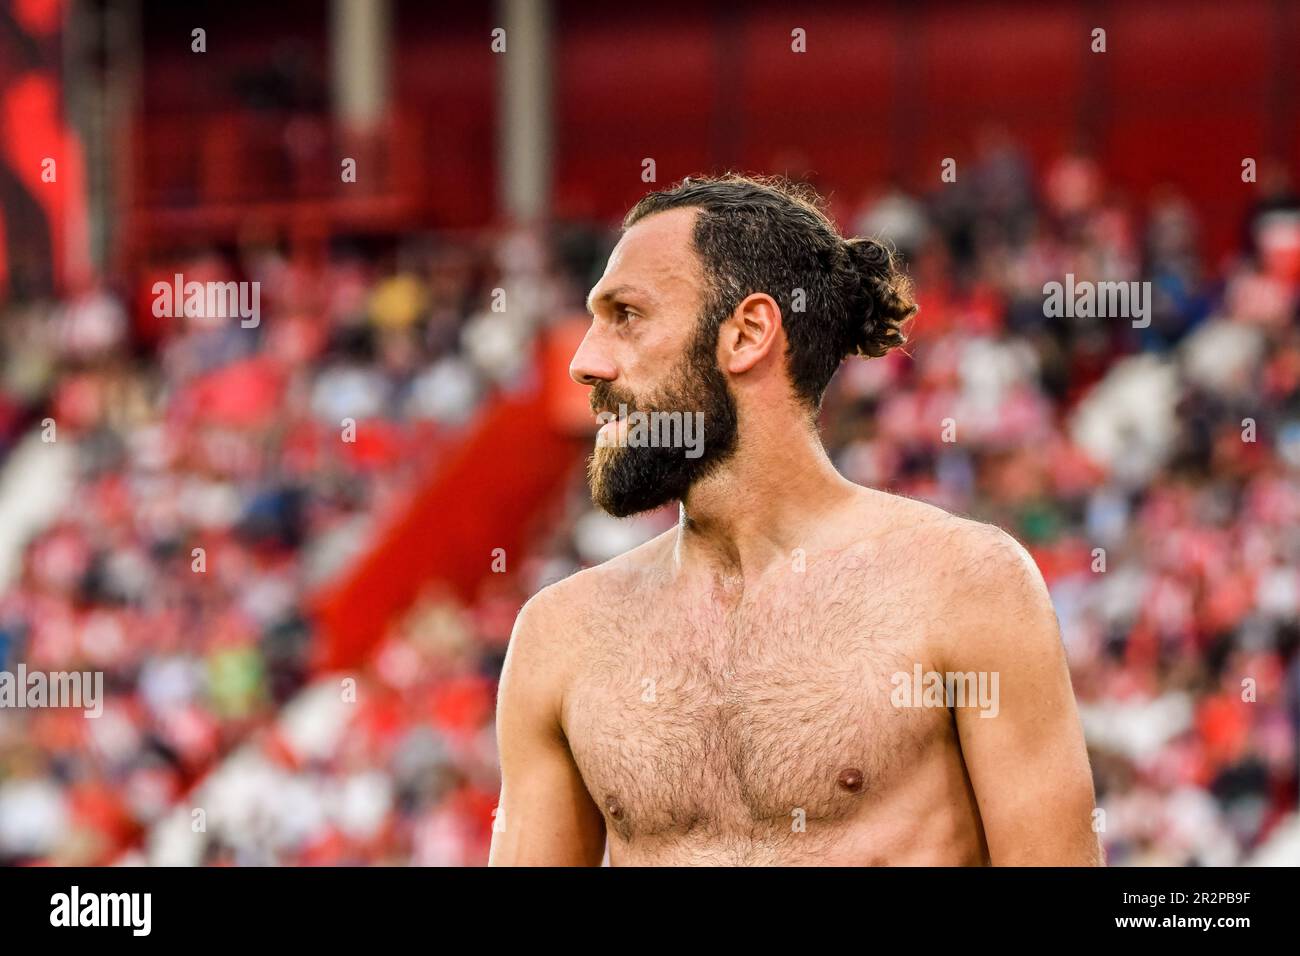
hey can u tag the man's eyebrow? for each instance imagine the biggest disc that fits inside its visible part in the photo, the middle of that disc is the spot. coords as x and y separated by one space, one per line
618 292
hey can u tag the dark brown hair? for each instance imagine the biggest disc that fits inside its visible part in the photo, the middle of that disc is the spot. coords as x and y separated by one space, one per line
769 235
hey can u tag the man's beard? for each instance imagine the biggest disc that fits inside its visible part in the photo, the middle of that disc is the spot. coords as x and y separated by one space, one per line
627 480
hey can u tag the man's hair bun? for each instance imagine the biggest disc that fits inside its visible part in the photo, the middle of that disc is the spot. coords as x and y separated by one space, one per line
880 299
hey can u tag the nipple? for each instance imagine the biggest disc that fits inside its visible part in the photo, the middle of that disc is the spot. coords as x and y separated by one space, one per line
850 779
613 807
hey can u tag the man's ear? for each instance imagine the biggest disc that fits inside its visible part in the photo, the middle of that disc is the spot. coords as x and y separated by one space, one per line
750 333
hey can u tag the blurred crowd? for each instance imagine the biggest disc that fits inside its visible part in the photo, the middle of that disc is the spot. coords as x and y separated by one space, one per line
1151 469
196 480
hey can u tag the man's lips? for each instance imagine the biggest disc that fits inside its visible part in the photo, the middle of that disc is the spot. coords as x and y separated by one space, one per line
605 415
614 426
609 432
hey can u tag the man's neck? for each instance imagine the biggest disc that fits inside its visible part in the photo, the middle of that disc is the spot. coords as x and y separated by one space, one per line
759 506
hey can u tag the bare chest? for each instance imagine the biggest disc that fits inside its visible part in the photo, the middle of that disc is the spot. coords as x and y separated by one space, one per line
690 716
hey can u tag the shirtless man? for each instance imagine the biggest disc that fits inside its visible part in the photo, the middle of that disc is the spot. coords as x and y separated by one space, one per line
733 691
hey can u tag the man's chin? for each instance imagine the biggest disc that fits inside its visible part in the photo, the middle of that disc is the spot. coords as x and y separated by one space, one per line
624 495
617 509
625 504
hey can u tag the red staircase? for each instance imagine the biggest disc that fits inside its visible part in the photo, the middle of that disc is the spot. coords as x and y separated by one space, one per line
514 459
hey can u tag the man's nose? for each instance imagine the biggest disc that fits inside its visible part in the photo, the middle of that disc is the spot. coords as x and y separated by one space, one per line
590 365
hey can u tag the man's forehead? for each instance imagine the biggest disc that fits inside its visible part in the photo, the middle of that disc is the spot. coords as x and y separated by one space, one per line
655 257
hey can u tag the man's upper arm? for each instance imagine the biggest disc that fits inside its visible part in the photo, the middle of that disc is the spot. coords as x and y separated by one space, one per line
1026 756
545 816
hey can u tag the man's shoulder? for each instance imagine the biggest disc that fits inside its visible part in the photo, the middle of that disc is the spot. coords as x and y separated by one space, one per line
978 560
576 597
987 597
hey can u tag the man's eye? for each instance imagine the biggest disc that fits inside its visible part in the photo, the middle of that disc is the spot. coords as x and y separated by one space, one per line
624 314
